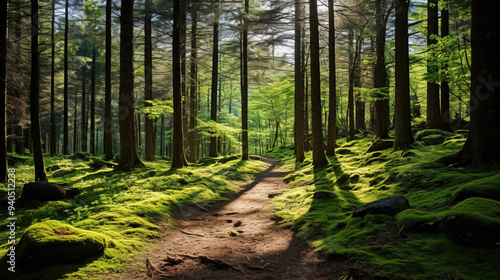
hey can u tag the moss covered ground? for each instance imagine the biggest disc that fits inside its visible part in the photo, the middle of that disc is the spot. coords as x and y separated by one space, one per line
411 245
128 209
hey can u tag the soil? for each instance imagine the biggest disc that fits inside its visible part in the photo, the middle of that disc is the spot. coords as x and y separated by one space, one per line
240 239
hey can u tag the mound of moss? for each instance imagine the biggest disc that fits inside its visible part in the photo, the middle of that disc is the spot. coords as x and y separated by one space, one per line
55 242
487 188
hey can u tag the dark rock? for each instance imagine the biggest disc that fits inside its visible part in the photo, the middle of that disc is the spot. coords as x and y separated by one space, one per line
53 168
428 132
380 144
433 140
326 195
227 159
43 191
80 156
389 206
344 151
98 164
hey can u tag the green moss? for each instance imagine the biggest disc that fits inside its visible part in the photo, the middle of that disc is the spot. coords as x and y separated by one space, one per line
488 187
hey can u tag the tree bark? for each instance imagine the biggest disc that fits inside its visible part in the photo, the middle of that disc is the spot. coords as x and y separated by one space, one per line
244 87
83 111
108 133
433 112
129 157
52 83
92 103
402 136
40 174
319 157
445 87
332 76
66 85
193 104
350 98
3 91
215 75
299 89
178 152
150 136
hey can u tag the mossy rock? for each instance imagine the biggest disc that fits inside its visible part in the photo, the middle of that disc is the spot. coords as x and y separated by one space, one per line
80 156
54 242
344 151
380 144
98 164
63 172
473 222
227 159
428 132
43 191
486 188
433 140
419 221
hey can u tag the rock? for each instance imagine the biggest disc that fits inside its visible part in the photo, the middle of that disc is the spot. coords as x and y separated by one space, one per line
98 164
325 195
344 151
428 132
433 140
473 222
53 168
227 159
207 161
80 156
43 191
54 242
380 144
389 206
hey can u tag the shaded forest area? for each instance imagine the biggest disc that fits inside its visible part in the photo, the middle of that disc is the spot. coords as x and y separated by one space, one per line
116 115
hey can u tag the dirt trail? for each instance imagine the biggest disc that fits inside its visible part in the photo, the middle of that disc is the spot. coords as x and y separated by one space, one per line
239 240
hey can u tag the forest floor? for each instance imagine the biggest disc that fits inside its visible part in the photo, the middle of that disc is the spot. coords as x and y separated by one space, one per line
238 239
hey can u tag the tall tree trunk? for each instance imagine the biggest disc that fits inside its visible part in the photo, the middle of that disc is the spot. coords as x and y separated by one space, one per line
332 76
193 104
40 174
402 135
350 98
52 83
319 157
75 127
66 85
185 96
108 133
83 111
299 89
433 112
380 76
445 87
150 137
92 103
215 75
129 157
482 148
162 136
3 91
244 87
178 152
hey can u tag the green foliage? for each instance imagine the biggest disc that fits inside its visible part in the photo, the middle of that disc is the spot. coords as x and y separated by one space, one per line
156 108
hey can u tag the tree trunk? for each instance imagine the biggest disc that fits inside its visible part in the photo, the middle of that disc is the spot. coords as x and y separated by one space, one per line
299 89
215 74
350 98
39 163
108 133
319 157
402 136
3 91
433 113
445 87
66 77
83 111
92 103
128 142
178 153
332 76
193 104
482 148
52 83
244 87
185 99
380 76
75 127
150 136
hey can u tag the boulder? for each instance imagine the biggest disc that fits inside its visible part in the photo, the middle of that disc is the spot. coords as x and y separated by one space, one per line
53 168
433 140
45 191
428 132
98 164
389 206
51 242
380 144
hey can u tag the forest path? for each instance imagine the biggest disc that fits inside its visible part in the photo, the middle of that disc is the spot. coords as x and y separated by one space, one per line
238 240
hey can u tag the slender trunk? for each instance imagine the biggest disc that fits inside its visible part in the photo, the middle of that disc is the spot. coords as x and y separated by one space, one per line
150 135
350 98
108 133
3 91
380 76
319 157
244 87
40 174
215 74
162 136
185 96
193 134
75 128
178 153
402 136
445 87
332 77
66 85
52 83
129 157
299 89
83 112
433 111
92 103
